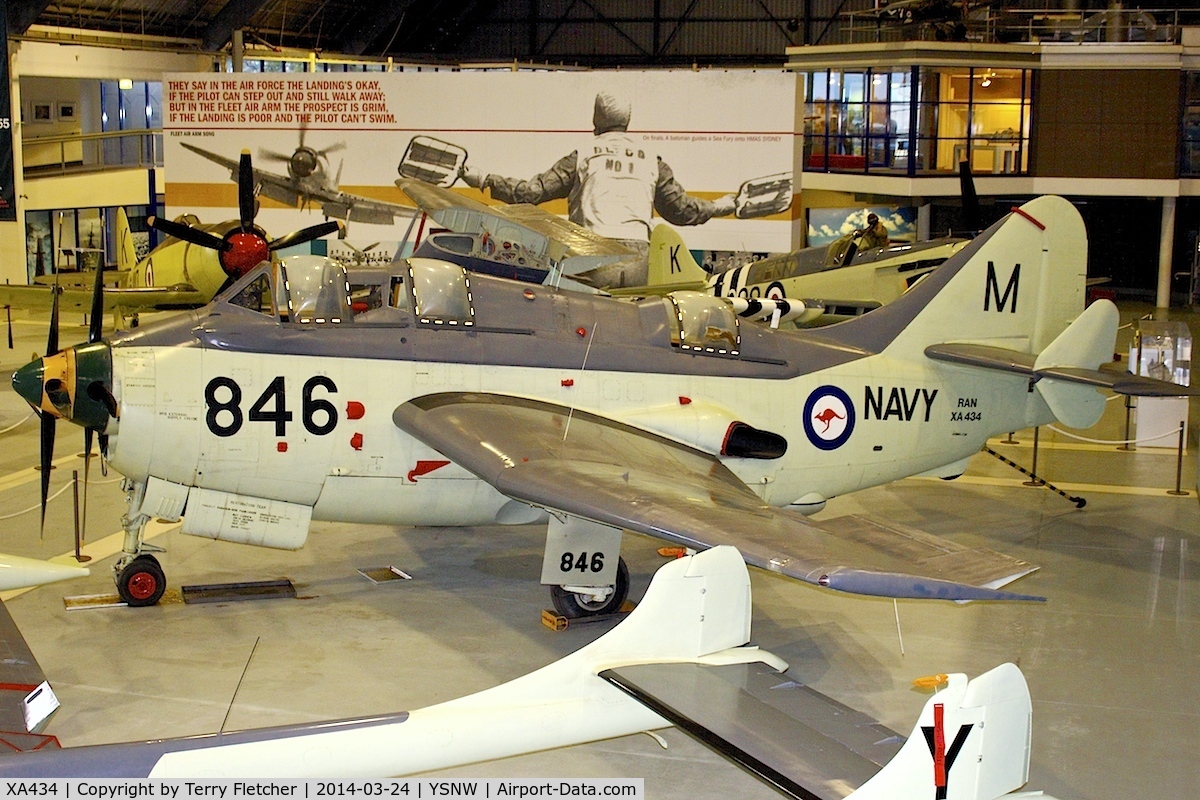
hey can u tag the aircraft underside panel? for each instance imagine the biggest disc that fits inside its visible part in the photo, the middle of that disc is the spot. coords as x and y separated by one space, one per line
401 501
246 520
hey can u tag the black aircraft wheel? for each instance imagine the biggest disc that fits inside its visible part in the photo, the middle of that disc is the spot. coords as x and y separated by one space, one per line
573 606
141 582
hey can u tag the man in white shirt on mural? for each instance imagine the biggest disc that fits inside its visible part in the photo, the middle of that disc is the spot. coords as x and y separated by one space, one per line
612 186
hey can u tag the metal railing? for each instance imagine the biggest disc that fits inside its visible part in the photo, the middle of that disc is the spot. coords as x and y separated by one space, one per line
911 21
91 152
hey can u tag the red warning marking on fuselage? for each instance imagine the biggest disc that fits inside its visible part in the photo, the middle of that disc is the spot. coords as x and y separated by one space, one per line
424 468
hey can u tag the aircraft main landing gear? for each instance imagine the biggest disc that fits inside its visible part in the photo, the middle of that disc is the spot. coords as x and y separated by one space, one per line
574 602
141 581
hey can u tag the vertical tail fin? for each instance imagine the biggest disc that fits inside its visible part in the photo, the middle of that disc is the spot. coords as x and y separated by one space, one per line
670 260
126 250
971 742
1016 286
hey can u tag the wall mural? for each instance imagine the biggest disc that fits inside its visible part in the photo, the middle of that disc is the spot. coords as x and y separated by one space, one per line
333 144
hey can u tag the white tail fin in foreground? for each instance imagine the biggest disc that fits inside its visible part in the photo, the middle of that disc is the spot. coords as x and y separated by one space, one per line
971 742
670 260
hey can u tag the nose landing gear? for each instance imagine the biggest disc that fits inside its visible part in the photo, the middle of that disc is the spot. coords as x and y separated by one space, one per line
140 581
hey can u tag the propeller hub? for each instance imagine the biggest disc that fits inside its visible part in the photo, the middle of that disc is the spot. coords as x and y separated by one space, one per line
303 163
247 249
27 382
61 385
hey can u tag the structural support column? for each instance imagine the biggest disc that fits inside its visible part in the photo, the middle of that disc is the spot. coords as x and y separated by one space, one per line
1166 253
238 49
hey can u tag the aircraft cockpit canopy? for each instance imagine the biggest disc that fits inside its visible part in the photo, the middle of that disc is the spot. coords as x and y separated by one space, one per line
704 324
315 290
441 293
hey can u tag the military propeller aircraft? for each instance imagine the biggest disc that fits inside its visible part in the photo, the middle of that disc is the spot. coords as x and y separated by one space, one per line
469 399
308 181
184 271
832 289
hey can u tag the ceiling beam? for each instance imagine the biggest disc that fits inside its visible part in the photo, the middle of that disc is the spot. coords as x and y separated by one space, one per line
378 20
233 15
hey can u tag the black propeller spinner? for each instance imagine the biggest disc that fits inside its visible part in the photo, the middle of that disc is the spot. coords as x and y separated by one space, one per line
305 160
245 246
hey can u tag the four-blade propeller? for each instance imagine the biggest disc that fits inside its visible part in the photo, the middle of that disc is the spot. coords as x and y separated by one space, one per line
245 246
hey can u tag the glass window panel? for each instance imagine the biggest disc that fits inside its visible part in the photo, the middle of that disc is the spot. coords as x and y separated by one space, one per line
818 85
901 87
854 87
272 66
880 84
64 240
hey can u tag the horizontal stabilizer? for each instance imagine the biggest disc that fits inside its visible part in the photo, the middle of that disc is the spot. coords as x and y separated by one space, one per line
793 738
1000 359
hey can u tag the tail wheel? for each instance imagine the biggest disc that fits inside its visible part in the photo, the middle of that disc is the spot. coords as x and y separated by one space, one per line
573 606
141 582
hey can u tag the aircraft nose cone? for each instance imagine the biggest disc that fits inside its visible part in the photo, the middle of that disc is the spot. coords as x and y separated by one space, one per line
27 382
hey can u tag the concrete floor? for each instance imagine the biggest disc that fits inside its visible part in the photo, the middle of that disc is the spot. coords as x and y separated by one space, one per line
1111 659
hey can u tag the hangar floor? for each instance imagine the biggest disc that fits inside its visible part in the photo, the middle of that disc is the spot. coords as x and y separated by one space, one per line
1111 659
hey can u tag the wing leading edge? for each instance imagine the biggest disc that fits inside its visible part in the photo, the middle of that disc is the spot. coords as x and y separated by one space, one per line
608 472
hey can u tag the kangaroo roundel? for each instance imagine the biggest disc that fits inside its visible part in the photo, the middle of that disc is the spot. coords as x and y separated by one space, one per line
828 417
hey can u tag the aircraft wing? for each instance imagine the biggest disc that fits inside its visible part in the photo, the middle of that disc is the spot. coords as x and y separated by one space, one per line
354 208
574 246
336 205
40 298
276 187
602 470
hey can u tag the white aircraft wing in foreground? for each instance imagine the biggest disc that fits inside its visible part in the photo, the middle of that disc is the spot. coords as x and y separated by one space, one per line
689 633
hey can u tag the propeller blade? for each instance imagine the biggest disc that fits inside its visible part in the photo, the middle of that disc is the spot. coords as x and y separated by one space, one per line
95 322
52 336
271 155
47 457
246 191
87 467
333 148
8 312
972 216
99 392
305 235
188 234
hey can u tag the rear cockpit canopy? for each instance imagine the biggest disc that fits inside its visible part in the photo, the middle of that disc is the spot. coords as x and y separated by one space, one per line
703 323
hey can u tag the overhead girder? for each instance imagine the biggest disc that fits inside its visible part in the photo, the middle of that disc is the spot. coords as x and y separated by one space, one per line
377 20
233 15
432 26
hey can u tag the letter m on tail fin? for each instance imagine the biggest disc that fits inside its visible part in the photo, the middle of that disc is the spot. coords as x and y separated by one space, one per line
992 289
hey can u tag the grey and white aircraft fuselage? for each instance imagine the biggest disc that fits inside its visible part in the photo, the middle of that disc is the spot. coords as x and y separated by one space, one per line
469 400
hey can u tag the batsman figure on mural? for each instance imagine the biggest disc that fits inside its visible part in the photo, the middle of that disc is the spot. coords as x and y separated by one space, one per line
615 184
